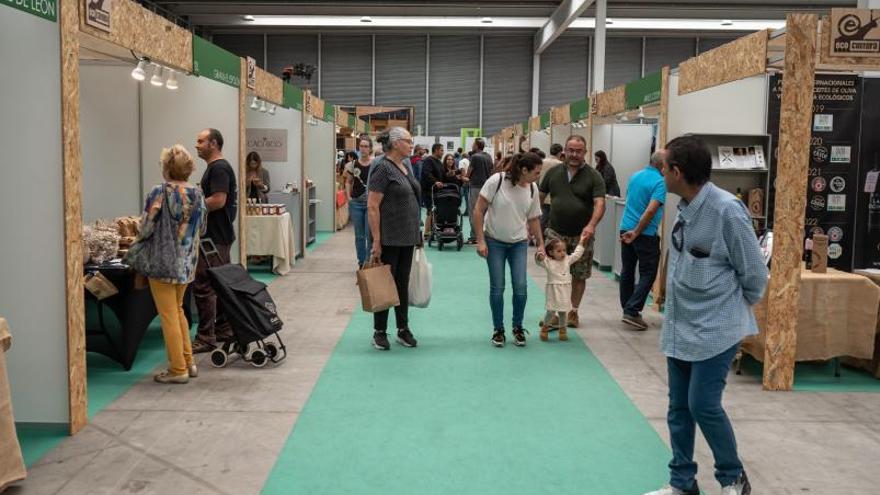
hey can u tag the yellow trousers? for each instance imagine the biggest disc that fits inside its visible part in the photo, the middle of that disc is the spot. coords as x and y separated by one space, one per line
175 328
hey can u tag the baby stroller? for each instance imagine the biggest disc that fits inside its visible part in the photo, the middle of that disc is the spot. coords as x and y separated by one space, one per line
249 311
447 216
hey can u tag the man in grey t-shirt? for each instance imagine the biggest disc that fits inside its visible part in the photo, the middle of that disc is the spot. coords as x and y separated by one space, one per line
479 170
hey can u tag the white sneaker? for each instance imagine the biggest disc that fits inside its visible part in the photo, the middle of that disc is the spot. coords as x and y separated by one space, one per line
741 487
669 490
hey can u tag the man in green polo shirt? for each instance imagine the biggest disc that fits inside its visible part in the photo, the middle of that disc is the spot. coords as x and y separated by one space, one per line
578 193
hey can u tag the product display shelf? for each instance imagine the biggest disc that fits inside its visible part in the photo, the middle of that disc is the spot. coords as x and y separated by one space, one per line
313 215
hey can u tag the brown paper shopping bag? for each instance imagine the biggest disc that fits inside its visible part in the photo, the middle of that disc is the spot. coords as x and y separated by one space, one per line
99 286
378 291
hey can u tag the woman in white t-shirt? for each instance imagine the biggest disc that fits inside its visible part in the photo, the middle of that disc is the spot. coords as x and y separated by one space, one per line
507 209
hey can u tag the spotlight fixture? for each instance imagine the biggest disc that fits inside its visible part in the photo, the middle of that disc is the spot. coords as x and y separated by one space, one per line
156 80
171 83
608 22
727 22
254 105
272 110
248 18
139 72
486 20
263 106
366 18
641 113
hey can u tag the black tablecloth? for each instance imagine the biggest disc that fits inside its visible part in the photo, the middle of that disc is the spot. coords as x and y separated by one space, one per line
116 325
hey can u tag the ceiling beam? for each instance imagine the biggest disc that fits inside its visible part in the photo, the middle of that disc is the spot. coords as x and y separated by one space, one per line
559 21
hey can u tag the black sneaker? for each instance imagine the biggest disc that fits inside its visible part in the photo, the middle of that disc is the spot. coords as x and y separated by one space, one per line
519 336
498 338
405 338
380 341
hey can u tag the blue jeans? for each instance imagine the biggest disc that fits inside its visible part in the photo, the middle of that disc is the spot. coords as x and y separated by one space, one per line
516 255
363 240
695 390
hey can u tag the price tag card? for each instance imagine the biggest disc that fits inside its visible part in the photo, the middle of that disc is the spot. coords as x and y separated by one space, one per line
871 181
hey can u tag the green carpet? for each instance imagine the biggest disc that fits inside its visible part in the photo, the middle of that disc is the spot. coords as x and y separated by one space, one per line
320 238
459 416
38 440
819 377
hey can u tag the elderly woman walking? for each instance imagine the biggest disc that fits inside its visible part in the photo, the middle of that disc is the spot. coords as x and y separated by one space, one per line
507 209
393 208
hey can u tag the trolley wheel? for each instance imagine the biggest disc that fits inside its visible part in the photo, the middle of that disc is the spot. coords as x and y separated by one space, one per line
458 244
430 242
219 358
258 358
440 246
271 350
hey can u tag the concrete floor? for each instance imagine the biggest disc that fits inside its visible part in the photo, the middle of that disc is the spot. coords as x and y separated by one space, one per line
222 433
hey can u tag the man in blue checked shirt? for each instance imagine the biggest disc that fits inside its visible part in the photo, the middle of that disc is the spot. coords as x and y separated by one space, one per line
716 274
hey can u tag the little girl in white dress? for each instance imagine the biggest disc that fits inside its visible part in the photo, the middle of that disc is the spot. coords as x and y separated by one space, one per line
558 290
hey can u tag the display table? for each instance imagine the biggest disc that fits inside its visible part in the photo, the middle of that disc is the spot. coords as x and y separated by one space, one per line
837 317
116 325
272 235
871 365
11 463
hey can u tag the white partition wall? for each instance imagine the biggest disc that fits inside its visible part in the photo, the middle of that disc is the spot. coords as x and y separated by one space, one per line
630 150
109 133
559 133
601 140
541 140
32 265
176 117
321 168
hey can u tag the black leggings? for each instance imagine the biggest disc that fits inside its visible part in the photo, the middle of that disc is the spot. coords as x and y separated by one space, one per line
400 259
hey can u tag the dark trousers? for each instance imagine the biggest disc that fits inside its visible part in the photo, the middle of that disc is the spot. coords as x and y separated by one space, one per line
644 252
545 217
695 390
399 258
206 298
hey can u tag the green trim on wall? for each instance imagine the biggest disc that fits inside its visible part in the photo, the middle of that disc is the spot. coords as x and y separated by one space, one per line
329 112
46 9
293 97
352 121
645 91
545 120
579 110
213 62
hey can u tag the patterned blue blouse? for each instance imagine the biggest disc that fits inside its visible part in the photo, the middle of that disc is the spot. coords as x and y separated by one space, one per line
189 211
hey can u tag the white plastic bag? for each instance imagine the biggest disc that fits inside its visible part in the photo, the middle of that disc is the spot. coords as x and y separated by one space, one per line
420 280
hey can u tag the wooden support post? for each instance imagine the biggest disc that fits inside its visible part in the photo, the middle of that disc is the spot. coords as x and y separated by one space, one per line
791 200
304 191
72 169
242 166
659 289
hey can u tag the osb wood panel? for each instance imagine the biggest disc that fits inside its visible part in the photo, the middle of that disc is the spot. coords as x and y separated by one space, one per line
611 102
534 123
659 288
304 192
791 199
560 115
341 118
242 166
72 169
317 107
138 29
826 60
736 60
268 87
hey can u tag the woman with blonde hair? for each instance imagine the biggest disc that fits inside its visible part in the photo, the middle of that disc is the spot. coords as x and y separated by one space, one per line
166 252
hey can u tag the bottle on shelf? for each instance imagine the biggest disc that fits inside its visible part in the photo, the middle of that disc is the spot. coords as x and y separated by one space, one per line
808 252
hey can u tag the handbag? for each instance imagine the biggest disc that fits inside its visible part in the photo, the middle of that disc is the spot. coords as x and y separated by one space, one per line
155 255
420 280
377 287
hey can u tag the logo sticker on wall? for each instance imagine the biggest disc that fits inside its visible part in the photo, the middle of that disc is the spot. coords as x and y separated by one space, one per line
818 184
820 154
837 184
823 122
840 154
835 234
837 202
817 231
817 203
98 14
834 251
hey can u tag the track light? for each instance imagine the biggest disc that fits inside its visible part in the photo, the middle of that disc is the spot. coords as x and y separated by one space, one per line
727 22
263 107
248 18
254 105
272 110
366 18
171 83
486 20
139 72
156 80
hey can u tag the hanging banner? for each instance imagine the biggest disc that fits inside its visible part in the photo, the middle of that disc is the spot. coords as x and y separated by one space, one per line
271 144
855 33
833 174
251 73
645 91
293 97
47 9
867 245
579 110
213 62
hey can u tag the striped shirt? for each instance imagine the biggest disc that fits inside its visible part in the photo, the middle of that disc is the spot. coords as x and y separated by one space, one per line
187 206
713 280
399 213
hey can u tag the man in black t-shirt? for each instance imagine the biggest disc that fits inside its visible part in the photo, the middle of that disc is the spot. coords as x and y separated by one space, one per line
479 170
221 197
432 174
